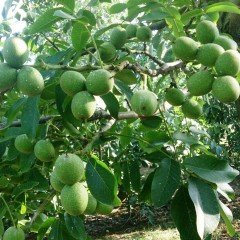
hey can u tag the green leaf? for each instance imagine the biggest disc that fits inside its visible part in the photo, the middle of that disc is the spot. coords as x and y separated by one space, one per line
112 104
154 15
23 188
165 182
105 29
211 168
152 122
157 156
226 191
127 76
101 182
206 206
227 217
184 215
135 176
126 177
117 8
69 4
59 232
186 138
64 15
26 162
80 35
30 117
145 194
152 141
187 16
3 147
173 12
1 227
60 98
177 26
14 110
44 22
84 14
223 7
123 89
75 226
132 3
126 137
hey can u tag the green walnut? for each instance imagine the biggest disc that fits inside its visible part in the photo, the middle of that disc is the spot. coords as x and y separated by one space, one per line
144 103
30 81
83 105
15 52
208 54
144 34
185 48
118 37
226 89
69 168
107 52
92 205
103 209
99 82
206 31
228 63
44 151
131 30
8 77
74 199
23 144
175 96
191 109
14 233
226 42
200 83
72 82
55 182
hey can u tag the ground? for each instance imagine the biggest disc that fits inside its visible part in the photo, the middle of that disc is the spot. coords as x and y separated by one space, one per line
143 223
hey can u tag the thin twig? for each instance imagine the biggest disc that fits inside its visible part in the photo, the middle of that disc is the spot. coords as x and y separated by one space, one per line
9 211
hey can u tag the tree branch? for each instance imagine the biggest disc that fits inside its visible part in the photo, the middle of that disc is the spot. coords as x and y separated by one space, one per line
97 115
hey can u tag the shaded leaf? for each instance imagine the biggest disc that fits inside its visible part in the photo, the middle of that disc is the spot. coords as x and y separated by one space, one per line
135 176
152 122
75 226
123 89
26 162
145 194
165 182
184 215
127 76
30 117
126 136
101 182
23 188
112 104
